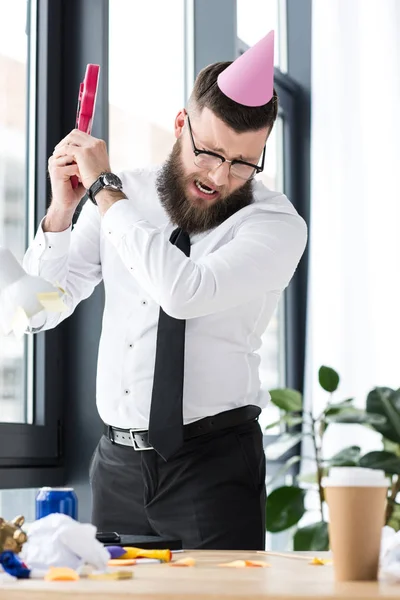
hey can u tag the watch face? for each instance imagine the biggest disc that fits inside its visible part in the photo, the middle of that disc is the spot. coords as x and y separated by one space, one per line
113 181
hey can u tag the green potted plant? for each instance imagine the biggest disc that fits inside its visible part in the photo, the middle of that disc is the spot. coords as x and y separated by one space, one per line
285 505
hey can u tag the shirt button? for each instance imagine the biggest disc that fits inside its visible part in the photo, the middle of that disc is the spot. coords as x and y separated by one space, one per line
127 392
143 302
130 345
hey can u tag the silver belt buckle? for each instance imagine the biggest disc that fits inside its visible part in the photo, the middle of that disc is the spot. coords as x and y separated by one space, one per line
134 442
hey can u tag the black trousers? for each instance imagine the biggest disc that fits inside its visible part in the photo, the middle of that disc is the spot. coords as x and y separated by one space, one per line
210 495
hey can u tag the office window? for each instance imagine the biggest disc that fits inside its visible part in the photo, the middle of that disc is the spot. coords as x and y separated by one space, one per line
270 15
255 18
16 84
272 366
146 80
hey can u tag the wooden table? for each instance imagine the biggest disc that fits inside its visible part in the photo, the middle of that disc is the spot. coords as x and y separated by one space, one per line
286 579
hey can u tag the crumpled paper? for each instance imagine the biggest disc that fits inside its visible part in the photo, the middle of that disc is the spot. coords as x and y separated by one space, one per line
390 554
57 540
6 577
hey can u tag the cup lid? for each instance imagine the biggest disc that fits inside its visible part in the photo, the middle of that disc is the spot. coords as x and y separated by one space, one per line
355 476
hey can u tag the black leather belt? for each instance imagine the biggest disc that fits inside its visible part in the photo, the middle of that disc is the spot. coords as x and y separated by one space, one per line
139 438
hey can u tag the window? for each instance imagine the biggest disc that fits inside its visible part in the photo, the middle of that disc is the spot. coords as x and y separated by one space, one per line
283 349
30 388
270 15
146 80
255 18
17 38
272 366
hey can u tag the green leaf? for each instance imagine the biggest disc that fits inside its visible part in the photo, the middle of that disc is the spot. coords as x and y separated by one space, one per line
287 399
394 520
284 443
386 401
348 457
390 446
311 477
284 468
355 415
288 420
285 507
334 409
387 461
328 379
307 478
392 408
312 537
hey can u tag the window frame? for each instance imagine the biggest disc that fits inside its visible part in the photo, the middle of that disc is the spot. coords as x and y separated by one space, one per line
37 454
37 445
294 91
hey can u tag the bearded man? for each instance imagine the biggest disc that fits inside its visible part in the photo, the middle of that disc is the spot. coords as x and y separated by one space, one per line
194 256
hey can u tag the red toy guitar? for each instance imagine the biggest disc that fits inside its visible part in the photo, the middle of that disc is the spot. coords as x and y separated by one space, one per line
86 104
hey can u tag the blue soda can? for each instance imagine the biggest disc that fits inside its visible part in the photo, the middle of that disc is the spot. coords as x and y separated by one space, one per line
56 500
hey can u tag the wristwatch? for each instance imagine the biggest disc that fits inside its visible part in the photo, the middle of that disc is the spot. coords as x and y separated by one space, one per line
105 181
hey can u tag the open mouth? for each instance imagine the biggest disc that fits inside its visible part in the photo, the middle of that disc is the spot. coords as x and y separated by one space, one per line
205 189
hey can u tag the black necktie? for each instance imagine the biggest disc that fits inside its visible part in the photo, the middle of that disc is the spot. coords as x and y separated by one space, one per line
166 412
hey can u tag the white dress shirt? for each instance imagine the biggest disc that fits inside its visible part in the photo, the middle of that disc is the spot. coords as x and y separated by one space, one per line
227 291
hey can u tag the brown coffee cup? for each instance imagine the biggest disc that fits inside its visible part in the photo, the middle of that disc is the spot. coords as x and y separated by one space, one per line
356 501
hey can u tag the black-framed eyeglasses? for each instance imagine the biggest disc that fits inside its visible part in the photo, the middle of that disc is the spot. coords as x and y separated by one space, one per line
205 159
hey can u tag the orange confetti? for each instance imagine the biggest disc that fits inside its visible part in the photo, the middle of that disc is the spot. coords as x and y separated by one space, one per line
121 562
240 564
183 562
256 563
61 574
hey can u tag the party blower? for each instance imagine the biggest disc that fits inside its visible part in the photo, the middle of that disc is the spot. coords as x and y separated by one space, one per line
86 104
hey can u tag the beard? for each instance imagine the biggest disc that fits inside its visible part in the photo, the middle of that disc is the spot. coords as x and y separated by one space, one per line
203 216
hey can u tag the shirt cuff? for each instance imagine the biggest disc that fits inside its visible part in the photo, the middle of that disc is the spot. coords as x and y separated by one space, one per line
51 245
119 219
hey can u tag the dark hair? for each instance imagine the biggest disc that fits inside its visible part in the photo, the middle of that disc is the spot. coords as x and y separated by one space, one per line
206 93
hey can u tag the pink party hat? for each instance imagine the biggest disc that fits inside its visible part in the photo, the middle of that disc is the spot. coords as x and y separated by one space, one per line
249 80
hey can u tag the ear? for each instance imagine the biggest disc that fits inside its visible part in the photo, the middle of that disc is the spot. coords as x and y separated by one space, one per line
180 122
1 521
18 521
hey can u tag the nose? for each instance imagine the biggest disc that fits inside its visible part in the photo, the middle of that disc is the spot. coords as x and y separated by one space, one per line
220 175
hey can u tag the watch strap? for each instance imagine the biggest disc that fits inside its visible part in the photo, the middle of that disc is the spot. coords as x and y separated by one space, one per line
95 188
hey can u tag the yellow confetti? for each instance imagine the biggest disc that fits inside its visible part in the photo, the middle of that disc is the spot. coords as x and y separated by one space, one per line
51 301
320 561
59 286
111 575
